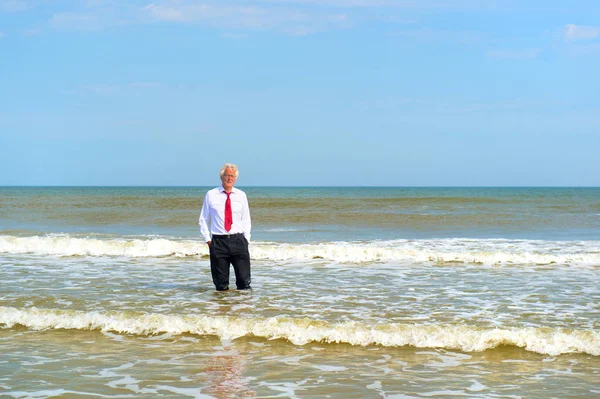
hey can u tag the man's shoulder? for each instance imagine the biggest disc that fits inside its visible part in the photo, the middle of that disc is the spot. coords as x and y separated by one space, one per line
213 191
238 191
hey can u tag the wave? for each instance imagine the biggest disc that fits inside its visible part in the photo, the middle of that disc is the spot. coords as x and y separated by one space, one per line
437 251
549 341
281 230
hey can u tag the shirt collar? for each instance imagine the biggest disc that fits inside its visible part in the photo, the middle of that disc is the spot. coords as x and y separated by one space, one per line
222 190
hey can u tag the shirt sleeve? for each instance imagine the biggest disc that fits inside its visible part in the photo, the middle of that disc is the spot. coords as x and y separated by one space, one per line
204 219
246 221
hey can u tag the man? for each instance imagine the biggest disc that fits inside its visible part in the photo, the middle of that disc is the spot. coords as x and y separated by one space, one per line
226 209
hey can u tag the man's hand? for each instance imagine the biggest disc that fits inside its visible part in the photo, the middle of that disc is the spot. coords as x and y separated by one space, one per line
208 243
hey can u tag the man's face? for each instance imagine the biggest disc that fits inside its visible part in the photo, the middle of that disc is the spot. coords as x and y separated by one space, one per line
228 179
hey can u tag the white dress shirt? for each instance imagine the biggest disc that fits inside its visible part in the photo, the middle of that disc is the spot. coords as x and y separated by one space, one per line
213 213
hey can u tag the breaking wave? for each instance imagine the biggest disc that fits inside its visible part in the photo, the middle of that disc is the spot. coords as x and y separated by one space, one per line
550 341
439 251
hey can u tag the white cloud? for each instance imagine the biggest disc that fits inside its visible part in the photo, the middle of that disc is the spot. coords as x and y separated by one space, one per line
14 5
580 32
75 21
165 13
294 17
96 15
290 20
407 4
144 84
333 3
32 32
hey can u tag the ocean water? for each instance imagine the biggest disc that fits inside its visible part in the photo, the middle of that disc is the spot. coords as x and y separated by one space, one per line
358 293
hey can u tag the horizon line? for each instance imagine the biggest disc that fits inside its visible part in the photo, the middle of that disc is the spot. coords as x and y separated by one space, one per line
295 186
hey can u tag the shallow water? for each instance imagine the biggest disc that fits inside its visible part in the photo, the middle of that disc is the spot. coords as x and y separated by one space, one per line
78 363
123 306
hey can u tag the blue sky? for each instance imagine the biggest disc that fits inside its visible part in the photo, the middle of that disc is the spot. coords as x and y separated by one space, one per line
305 92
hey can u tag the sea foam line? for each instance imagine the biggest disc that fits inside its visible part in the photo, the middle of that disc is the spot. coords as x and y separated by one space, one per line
439 251
550 341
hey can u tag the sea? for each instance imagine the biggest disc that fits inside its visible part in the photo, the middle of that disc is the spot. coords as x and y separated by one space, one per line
358 292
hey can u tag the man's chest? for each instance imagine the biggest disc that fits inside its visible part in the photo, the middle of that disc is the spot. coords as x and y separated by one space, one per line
237 203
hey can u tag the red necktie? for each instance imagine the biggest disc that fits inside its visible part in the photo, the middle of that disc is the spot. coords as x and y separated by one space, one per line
228 217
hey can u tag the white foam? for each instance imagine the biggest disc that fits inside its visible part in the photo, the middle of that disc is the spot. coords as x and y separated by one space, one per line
64 245
330 368
181 392
477 387
50 393
440 251
551 341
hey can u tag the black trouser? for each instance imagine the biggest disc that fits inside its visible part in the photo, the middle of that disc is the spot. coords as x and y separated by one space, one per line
226 250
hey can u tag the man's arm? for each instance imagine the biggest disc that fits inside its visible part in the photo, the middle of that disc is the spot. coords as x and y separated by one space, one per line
204 220
246 221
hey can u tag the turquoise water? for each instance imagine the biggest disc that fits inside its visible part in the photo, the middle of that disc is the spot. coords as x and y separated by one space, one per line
358 292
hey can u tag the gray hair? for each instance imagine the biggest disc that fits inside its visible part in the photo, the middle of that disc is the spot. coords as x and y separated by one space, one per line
229 166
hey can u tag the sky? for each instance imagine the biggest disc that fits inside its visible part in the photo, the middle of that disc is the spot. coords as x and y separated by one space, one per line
300 92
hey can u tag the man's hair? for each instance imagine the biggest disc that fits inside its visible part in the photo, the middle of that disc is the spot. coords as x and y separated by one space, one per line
229 166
